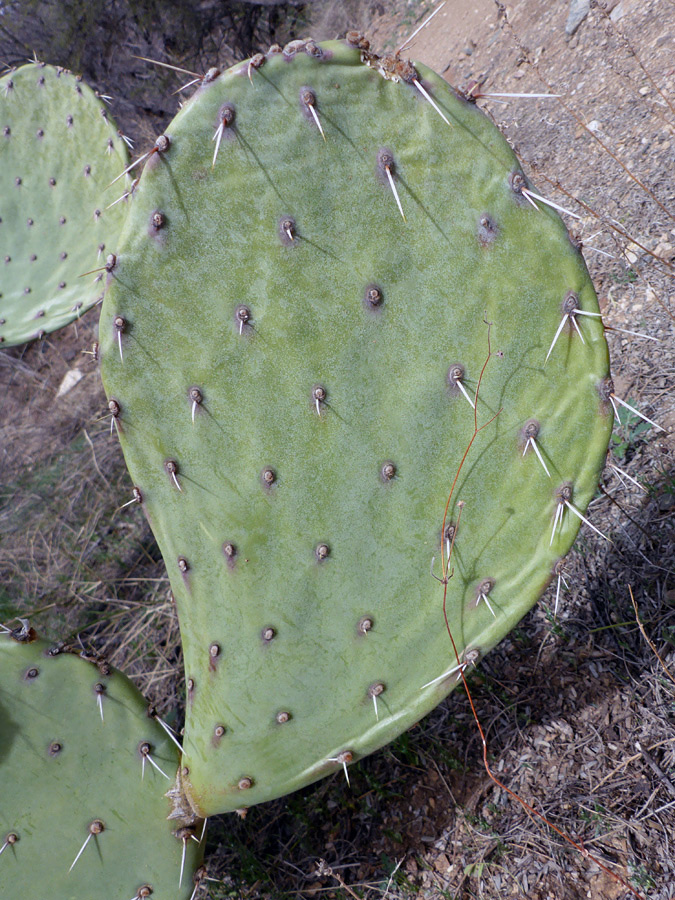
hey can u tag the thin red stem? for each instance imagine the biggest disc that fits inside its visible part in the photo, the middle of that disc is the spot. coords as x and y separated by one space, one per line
526 806
476 432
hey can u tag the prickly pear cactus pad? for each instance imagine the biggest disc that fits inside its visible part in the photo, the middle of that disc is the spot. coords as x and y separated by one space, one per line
84 772
58 152
291 340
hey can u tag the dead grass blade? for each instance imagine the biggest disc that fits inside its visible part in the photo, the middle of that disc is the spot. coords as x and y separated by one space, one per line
647 638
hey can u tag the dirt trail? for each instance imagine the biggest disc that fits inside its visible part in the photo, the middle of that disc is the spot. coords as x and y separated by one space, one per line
455 28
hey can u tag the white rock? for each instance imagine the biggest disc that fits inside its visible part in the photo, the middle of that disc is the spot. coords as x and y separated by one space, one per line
579 9
68 382
623 8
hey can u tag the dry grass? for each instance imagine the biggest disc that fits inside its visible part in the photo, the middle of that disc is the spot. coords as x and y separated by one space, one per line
86 571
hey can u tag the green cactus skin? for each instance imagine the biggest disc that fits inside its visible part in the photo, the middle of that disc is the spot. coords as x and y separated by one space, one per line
63 770
59 150
298 527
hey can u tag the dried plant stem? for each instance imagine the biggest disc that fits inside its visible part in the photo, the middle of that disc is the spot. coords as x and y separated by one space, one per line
634 54
577 118
647 638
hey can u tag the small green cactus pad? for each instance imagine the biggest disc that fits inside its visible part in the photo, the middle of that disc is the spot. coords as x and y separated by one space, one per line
80 761
59 150
285 355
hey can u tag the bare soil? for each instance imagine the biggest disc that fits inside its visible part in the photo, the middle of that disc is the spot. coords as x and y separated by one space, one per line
578 709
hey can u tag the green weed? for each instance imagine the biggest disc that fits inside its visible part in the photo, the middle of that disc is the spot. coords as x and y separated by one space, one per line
627 433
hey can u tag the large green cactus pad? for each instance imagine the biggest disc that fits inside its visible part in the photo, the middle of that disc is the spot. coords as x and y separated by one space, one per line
279 346
59 150
78 761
